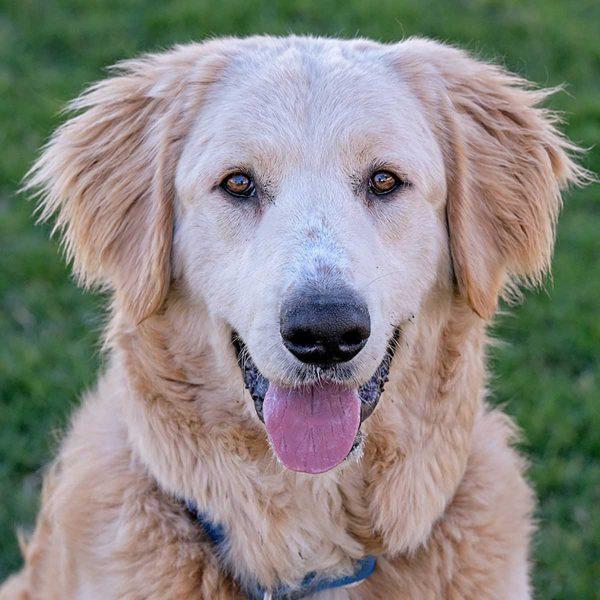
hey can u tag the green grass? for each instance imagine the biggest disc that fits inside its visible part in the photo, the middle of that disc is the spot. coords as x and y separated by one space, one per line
546 372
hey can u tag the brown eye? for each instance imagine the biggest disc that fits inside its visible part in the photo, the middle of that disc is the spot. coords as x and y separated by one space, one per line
239 185
383 182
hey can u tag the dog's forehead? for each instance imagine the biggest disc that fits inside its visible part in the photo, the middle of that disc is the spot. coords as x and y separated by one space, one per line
315 99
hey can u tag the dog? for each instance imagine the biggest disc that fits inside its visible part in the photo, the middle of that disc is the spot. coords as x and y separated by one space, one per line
304 241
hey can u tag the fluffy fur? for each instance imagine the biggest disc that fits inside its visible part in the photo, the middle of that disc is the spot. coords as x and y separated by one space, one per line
438 492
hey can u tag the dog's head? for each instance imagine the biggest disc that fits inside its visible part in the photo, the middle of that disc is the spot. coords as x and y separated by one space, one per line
308 195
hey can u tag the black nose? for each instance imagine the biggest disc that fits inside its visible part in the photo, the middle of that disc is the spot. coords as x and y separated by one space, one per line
325 328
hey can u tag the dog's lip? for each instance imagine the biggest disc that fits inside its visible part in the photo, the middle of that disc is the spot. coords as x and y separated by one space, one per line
370 392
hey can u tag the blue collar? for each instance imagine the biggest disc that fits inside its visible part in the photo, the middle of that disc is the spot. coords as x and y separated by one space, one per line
311 584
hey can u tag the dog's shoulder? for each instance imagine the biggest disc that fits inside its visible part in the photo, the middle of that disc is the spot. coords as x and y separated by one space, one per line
105 519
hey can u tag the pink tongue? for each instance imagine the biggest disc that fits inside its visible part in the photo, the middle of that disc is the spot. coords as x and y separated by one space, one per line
312 429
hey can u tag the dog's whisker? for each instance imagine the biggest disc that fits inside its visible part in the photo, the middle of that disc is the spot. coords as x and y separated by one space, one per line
379 277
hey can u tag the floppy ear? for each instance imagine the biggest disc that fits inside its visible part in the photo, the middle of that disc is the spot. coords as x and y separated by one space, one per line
108 173
506 164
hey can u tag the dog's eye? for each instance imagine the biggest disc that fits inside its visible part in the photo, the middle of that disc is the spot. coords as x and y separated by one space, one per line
239 185
384 182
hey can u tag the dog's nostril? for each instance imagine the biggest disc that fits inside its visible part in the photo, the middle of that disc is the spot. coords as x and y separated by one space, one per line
324 329
302 337
351 338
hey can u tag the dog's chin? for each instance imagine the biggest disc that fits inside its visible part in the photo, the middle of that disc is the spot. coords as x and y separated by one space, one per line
314 423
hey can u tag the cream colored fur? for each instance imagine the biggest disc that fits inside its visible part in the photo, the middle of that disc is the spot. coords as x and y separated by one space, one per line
438 493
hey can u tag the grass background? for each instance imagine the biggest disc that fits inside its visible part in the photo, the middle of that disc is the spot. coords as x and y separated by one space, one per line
546 372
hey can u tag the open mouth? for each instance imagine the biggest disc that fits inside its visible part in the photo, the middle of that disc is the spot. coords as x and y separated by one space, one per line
315 426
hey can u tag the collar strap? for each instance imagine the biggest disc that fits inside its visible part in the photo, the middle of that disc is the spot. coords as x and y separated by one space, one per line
312 582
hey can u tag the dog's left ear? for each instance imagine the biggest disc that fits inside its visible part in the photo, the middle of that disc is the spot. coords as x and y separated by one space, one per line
108 173
506 164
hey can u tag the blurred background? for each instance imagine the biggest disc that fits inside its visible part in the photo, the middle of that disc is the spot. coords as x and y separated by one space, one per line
545 371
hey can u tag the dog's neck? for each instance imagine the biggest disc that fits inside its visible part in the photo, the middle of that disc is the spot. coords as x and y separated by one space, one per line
194 428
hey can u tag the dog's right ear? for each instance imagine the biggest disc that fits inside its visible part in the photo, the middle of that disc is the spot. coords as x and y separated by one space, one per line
107 174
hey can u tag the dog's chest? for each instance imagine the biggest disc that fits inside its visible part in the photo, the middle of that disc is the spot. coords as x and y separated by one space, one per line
281 533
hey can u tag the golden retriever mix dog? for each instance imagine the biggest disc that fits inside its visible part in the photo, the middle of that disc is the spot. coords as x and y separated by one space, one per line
305 241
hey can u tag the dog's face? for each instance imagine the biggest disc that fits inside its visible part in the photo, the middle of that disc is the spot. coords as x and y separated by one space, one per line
308 195
310 219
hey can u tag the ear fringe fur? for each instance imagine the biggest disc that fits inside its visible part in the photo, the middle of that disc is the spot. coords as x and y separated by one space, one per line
107 174
507 164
